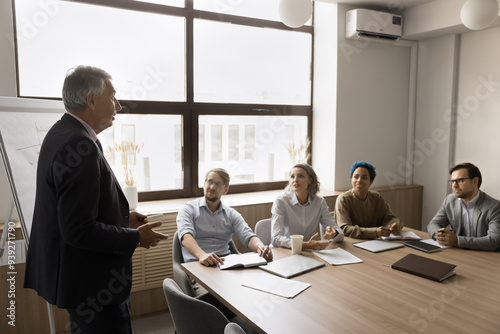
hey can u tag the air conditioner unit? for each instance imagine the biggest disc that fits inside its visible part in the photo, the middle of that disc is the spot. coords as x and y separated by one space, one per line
371 24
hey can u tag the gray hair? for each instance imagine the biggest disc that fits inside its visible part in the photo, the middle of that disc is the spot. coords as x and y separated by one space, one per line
313 188
80 82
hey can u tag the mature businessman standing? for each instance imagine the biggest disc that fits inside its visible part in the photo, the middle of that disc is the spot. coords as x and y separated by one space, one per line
83 235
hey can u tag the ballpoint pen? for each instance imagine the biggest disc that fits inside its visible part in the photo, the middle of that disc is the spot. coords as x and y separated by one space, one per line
261 249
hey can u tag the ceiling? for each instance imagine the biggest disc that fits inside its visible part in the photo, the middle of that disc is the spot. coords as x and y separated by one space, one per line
393 6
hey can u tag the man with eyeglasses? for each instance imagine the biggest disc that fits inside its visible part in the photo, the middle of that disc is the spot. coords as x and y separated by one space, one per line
206 225
473 216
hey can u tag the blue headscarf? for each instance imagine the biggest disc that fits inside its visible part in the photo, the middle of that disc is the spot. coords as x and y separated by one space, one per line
366 165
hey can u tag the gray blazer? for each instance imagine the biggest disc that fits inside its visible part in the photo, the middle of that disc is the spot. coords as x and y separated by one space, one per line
485 229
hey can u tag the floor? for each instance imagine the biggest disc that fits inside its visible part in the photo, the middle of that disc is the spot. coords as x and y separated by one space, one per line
160 323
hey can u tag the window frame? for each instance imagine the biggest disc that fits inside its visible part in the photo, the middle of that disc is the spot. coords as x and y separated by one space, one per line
190 110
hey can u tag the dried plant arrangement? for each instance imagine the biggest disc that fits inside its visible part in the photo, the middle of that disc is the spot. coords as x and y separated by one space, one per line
299 153
128 153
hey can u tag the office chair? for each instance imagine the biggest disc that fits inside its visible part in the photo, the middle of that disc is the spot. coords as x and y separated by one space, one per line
263 230
191 315
180 277
322 229
233 328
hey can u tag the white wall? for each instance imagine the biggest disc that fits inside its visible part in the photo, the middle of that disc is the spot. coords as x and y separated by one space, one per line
7 86
324 95
458 98
478 115
433 131
372 106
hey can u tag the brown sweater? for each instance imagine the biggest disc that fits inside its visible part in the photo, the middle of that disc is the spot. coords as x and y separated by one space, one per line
360 219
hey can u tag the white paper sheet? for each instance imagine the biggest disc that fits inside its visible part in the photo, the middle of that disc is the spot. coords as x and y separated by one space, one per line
403 235
275 285
337 256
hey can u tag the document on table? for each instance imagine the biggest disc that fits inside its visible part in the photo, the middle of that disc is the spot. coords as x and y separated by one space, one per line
434 242
276 285
246 260
337 256
403 235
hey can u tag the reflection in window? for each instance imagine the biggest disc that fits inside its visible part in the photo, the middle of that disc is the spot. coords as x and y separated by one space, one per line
178 143
249 142
201 143
216 142
267 142
233 142
152 163
128 133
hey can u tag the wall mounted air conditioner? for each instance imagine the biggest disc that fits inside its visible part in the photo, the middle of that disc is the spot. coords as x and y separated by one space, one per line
371 24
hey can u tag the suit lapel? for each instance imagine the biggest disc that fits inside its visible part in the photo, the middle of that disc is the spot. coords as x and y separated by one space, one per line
71 119
120 191
478 211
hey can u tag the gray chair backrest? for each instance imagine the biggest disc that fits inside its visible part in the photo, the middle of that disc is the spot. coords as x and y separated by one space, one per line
191 315
322 229
233 328
263 230
180 277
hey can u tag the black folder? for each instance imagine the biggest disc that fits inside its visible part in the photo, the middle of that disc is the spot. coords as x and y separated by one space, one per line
422 246
425 267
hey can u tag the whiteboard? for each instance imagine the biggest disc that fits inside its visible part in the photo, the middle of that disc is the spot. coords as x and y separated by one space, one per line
23 126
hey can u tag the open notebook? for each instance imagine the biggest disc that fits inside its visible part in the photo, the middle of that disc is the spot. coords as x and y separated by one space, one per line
246 260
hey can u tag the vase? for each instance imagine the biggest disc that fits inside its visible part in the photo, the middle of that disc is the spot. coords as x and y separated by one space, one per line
130 192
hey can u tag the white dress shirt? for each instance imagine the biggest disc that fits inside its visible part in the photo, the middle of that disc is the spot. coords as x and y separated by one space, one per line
290 217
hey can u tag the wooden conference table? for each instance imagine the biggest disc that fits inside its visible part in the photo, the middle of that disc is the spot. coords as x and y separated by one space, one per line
368 297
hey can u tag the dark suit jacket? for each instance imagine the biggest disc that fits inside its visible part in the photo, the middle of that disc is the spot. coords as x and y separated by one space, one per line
485 228
80 245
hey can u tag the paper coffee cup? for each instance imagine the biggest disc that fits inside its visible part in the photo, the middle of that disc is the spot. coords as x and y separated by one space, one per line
296 243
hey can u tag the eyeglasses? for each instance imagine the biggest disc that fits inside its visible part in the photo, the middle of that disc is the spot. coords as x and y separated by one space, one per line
459 181
216 184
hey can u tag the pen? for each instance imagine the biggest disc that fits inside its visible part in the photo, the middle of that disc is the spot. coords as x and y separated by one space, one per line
443 230
261 249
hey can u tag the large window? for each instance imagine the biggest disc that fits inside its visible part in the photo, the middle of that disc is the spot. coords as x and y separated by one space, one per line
204 84
242 64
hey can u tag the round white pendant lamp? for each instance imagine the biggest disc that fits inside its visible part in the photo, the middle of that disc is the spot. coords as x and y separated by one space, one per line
479 14
295 13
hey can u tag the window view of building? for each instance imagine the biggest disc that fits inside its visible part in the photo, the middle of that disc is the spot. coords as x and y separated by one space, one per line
251 148
148 147
202 82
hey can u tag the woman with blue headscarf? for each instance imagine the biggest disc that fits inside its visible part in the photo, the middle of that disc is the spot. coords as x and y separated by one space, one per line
362 213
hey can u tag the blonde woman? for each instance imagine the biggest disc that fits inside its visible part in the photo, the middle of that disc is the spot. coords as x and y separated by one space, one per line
300 209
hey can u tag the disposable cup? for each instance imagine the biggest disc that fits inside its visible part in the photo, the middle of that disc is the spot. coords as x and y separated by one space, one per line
296 243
